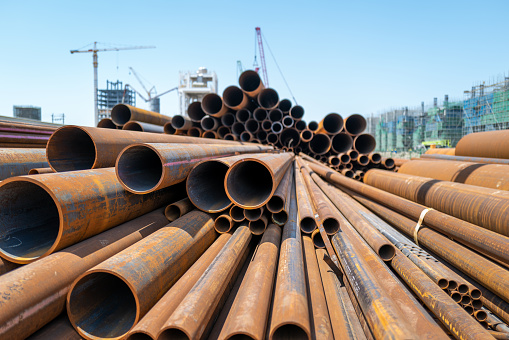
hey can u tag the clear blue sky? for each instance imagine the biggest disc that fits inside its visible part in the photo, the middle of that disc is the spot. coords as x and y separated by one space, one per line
341 56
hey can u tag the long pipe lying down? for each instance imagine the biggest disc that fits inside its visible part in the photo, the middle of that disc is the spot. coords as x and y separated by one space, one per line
49 212
18 162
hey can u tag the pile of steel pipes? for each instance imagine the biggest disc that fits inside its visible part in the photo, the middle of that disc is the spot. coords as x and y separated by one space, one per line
253 113
23 134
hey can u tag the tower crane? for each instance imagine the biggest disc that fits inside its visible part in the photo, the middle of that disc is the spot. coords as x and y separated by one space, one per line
258 33
152 96
94 50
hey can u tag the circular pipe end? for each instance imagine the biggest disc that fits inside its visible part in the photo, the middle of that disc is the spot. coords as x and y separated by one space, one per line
139 169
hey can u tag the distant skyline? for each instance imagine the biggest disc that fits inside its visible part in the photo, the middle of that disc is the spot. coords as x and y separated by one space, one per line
337 56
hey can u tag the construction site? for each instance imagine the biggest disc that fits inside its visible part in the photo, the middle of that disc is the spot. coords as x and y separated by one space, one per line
237 217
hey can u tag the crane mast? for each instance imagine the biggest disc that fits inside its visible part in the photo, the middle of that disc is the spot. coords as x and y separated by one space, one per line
262 56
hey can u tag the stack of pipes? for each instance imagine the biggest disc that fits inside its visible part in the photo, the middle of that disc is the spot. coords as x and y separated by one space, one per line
22 134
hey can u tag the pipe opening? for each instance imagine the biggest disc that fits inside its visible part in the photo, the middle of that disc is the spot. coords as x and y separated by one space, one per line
139 336
272 138
456 297
205 186
249 81
230 136
355 124
331 225
313 126
275 115
210 134
260 114
452 285
253 214
287 121
168 129
222 131
277 127
172 212
178 122
237 213
194 132
320 144
246 136
285 105
342 143
475 294
266 125
69 149
120 114
389 163
297 112
228 119
233 96
243 115
376 157
139 168
300 125
363 160
102 305
308 225
132 126
195 112
261 135
334 161
290 137
481 315
477 304
222 224
443 283
209 123
268 99
364 143
280 217
257 227
462 288
307 135
106 123
465 299
353 155
275 204
293 332
469 310
211 104
238 128
386 252
30 220
252 126
249 183
332 123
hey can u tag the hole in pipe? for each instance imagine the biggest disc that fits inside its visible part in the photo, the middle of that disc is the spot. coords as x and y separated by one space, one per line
139 168
249 183
308 225
120 114
70 149
293 332
205 186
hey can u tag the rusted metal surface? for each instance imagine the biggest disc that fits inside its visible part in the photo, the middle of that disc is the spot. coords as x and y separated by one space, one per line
452 316
268 99
306 216
237 213
213 135
78 148
355 124
398 162
321 203
467 159
258 227
7 266
109 299
205 184
250 310
331 124
18 162
209 123
197 309
490 144
223 224
252 180
178 209
388 163
278 200
319 315
317 239
344 321
254 214
290 309
106 123
495 176
306 135
148 167
38 171
60 328
213 105
195 112
143 127
235 98
251 83
122 113
48 212
440 151
484 207
195 132
154 320
489 243
34 294
180 122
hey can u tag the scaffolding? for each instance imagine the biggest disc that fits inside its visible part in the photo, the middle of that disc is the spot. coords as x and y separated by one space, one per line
114 94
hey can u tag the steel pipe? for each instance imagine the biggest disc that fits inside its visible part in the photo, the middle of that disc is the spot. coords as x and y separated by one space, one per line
259 226
18 162
237 213
222 131
375 158
243 115
49 212
278 200
296 112
320 144
178 209
48 279
168 129
272 138
342 142
238 128
441 151
251 83
268 99
306 215
210 123
181 123
246 136
306 136
148 167
287 121
275 115
223 224
60 328
289 137
262 136
388 162
234 98
252 180
353 154
260 114
363 160
254 214
490 144
230 136
252 126
210 134
109 299
355 124
364 143
106 123
228 119
301 125
330 125
122 113
195 112
313 126
467 159
281 217
266 125
143 127
285 105
213 105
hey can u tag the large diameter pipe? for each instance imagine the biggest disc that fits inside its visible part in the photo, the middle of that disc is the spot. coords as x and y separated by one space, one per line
122 113
154 320
209 123
330 125
441 151
49 212
493 176
342 142
228 119
109 299
289 137
364 143
243 115
490 144
181 123
285 105
79 148
320 144
290 311
355 124
147 167
489 243
252 181
48 279
106 123
249 312
196 311
235 98
467 159
484 207
321 325
195 112
60 328
296 112
251 83
268 99
213 105
18 162
143 127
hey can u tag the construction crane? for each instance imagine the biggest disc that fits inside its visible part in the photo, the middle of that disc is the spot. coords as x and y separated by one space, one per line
258 33
152 96
94 50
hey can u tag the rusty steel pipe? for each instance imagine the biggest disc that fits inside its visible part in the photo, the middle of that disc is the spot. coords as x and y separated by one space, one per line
213 105
306 136
331 124
278 200
259 226
493 176
237 213
230 136
242 115
252 125
223 224
143 127
209 123
210 134
334 160
320 144
355 124
266 125
289 137
106 123
181 123
275 115
268 99
317 239
287 121
148 167
484 207
195 112
388 162
260 114
78 148
344 321
49 212
285 105
306 214
251 181
262 136
272 138
364 143
281 217
290 311
441 151
238 128
122 113
363 160
254 214
60 328
342 142
313 126
249 312
276 128
296 112
109 299
321 323
376 158
154 320
345 158
484 241
197 309
490 144
466 159
178 209
246 136
353 154
170 130
48 279
452 316
235 98
228 119
18 162
301 125
222 131
251 83
7 266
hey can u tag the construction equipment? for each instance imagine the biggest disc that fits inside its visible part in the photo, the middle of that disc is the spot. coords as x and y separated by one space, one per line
262 57
94 50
